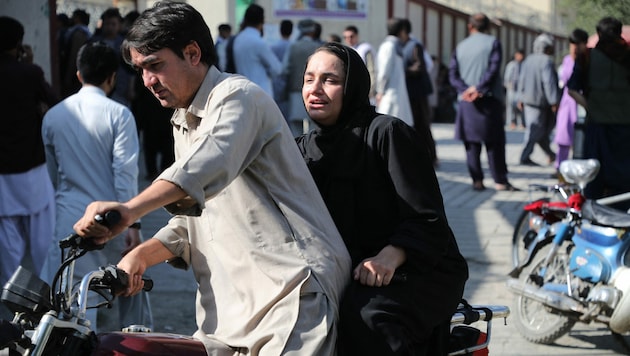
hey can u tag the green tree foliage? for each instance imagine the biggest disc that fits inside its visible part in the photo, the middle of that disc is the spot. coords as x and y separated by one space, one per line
586 13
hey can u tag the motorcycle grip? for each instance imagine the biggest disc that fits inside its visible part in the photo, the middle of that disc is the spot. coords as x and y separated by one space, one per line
108 219
119 279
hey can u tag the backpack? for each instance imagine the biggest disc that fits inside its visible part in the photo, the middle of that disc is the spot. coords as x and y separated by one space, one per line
230 66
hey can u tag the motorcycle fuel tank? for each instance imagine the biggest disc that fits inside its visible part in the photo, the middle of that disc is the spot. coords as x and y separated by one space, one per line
121 343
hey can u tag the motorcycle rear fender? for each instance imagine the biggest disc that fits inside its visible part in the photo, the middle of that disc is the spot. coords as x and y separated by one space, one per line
542 240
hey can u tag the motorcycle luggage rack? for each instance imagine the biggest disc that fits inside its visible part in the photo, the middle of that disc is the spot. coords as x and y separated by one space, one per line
467 314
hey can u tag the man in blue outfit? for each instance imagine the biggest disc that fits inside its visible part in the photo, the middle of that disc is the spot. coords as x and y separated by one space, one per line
91 147
251 55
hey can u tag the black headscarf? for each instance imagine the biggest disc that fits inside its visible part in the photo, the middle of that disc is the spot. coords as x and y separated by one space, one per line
341 147
356 101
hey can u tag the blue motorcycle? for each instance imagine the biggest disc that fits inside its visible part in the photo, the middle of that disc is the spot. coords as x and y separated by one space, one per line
574 265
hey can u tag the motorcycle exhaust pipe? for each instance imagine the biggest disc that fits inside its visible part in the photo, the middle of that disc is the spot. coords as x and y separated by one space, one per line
549 298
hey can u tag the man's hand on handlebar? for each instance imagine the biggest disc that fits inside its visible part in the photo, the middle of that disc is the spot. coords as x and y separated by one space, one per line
135 266
87 226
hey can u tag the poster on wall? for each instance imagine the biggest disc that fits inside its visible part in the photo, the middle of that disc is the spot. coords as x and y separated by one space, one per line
321 8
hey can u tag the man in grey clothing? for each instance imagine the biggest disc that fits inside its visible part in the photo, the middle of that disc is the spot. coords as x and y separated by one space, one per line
293 70
538 96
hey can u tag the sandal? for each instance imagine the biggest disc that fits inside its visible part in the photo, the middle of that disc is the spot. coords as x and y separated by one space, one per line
478 186
507 187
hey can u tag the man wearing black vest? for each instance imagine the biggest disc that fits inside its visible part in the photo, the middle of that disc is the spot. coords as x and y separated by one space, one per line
601 84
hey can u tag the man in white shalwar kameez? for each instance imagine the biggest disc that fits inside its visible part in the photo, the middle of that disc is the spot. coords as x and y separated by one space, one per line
249 219
391 88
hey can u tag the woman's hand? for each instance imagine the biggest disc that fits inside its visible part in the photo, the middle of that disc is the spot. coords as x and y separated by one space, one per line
378 271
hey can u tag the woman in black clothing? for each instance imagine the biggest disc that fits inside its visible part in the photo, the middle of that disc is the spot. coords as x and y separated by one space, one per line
377 179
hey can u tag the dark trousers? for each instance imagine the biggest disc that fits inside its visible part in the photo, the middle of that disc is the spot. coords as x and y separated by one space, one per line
610 144
158 147
540 122
422 122
392 320
496 160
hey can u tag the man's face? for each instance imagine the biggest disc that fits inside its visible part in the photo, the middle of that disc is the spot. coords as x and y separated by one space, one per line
111 27
170 78
225 34
518 56
322 91
403 36
350 38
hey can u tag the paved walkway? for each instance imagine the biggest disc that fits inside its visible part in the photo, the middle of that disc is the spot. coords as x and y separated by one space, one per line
482 222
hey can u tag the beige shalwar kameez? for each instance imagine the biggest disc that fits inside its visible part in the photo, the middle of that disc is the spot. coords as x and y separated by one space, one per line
269 261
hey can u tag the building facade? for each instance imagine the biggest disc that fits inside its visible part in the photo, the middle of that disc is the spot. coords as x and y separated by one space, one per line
439 24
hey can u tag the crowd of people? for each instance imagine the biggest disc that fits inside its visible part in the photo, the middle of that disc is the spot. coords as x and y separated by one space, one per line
303 191
400 88
548 101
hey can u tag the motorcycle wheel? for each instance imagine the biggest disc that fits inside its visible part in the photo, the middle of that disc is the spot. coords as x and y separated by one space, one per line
536 322
521 238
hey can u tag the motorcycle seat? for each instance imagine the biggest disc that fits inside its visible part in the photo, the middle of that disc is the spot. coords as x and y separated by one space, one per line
604 215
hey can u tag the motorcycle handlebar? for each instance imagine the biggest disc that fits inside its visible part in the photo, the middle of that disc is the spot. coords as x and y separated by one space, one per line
108 219
119 279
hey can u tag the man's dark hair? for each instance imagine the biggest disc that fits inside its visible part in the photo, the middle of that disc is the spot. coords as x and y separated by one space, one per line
172 25
64 20
96 62
480 22
352 28
82 16
254 15
394 26
317 34
131 16
112 12
12 33
609 29
578 36
225 27
286 28
407 25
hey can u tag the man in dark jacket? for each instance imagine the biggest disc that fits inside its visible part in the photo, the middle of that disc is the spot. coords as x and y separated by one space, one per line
419 87
601 83
27 198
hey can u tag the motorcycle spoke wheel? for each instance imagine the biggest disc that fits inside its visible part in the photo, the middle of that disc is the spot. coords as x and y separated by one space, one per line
535 321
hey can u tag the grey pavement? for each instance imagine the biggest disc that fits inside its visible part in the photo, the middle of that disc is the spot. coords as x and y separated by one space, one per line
483 224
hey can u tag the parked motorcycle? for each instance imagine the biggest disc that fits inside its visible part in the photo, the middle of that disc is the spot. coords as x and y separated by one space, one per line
576 264
51 320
